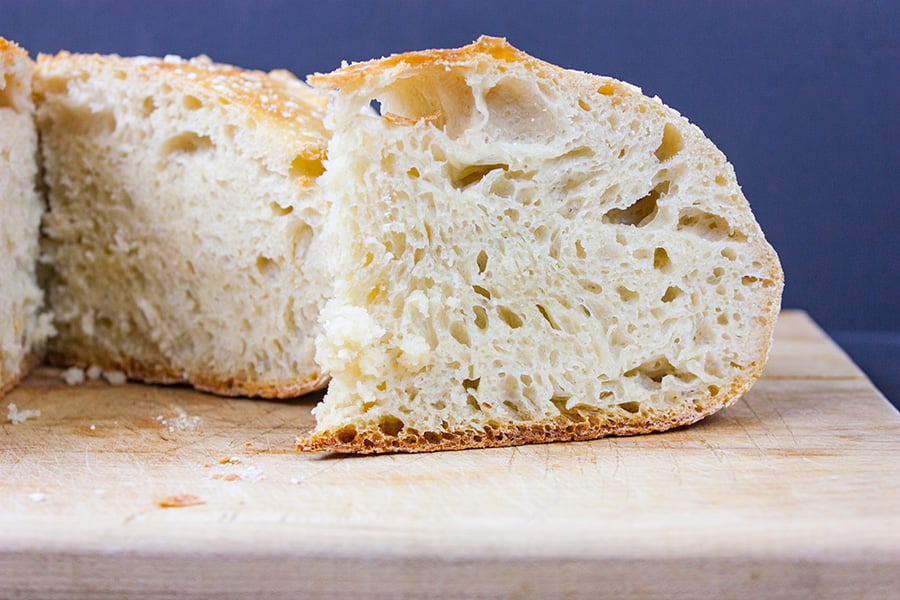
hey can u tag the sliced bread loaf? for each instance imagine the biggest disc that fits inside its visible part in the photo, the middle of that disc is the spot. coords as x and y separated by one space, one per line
183 211
527 254
24 326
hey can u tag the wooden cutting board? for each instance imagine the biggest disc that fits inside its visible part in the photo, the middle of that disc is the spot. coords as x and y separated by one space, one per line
794 492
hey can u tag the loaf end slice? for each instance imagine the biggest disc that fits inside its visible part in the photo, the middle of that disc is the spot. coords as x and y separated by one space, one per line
24 324
181 237
528 254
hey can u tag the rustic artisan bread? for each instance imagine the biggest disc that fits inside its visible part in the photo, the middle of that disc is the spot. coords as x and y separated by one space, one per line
527 254
24 326
181 232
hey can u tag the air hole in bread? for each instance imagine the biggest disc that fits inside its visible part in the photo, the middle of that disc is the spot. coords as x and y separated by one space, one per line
460 334
280 211
607 89
672 292
729 253
191 102
583 105
721 180
516 108
266 265
148 107
188 142
481 317
395 244
510 317
641 212
579 250
303 166
626 294
671 143
707 225
546 314
389 425
466 176
749 280
345 434
413 173
654 370
661 260
591 286
482 291
481 260
631 407
301 238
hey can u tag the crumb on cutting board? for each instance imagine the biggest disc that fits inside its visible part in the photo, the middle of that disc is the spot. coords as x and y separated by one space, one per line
16 416
77 375
73 376
180 501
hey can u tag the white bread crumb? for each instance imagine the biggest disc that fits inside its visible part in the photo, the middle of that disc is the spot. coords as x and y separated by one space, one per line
73 376
114 377
15 416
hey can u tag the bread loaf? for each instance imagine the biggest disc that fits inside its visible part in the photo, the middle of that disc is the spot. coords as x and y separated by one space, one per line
24 326
524 253
183 213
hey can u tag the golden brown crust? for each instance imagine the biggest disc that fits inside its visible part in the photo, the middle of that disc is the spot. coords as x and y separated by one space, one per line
560 429
10 52
357 75
214 383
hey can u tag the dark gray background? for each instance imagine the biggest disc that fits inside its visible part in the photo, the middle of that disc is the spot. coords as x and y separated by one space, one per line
803 97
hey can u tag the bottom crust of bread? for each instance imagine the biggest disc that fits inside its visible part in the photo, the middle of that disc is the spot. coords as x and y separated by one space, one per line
214 383
349 440
30 363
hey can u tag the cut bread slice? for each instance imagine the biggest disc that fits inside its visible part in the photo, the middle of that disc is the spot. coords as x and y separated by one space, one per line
183 212
24 326
526 254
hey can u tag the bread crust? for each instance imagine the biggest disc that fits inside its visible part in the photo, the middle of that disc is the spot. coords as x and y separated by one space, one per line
214 383
573 428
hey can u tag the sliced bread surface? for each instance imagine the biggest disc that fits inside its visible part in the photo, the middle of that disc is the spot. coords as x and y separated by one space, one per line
524 253
24 325
183 211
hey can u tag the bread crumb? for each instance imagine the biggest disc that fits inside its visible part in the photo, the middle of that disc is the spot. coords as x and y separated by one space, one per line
93 372
294 481
180 422
232 460
73 376
180 501
115 377
228 477
16 416
37 497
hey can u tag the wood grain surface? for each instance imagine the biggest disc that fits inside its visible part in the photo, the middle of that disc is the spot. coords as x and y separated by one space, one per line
794 492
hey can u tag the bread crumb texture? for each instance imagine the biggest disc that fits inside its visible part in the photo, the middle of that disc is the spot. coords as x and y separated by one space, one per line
527 254
24 326
181 233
